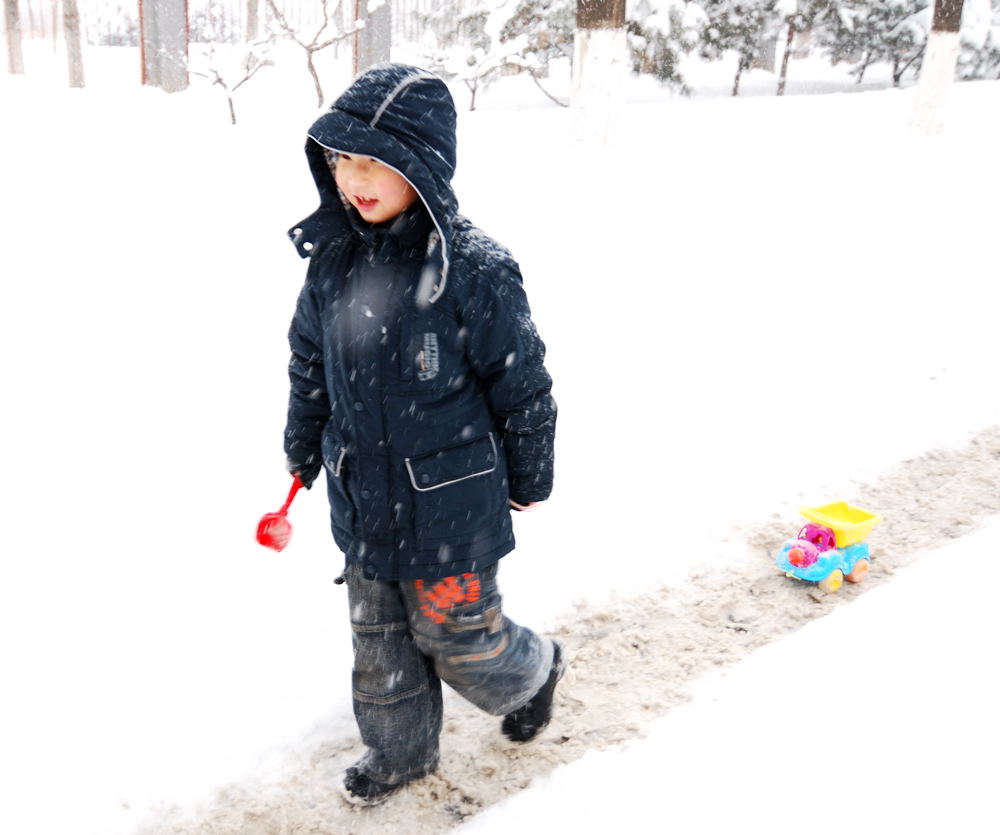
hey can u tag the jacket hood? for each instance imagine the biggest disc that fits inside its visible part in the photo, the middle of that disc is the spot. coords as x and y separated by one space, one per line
405 118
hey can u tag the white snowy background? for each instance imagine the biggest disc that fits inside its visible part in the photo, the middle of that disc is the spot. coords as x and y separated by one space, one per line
749 304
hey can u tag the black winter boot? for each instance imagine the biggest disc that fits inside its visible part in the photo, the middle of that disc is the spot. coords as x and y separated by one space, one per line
360 790
527 722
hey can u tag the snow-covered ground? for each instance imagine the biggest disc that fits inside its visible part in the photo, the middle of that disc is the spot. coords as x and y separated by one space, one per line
749 304
879 717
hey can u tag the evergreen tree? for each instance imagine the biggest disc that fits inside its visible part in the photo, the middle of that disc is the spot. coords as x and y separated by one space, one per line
740 26
864 32
980 51
541 32
659 33
801 17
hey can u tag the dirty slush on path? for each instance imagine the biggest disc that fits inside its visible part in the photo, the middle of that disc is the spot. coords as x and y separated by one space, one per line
665 639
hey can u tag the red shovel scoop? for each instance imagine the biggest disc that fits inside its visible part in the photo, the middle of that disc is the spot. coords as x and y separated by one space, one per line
274 530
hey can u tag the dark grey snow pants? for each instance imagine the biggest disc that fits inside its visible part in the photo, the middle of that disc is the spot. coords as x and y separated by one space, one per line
411 635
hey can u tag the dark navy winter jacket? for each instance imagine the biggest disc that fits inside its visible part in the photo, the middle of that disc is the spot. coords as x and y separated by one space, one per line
417 376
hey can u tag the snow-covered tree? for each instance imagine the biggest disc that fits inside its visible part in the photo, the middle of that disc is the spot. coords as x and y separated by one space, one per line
214 23
659 33
116 25
865 32
546 28
536 35
739 26
980 40
799 17
466 44
541 32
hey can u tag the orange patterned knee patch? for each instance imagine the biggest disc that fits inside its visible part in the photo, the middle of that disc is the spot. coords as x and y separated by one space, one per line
446 594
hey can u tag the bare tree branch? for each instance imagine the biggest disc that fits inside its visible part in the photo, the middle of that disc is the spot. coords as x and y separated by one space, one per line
252 64
534 77
281 19
315 45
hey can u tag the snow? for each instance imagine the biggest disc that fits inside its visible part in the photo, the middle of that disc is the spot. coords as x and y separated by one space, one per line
878 717
749 304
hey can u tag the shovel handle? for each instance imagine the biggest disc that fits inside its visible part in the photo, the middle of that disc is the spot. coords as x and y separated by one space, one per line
296 486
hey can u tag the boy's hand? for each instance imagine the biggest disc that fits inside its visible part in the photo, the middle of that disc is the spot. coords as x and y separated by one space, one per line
525 507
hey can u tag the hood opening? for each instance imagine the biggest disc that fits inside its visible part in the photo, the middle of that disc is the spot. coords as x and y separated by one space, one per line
428 290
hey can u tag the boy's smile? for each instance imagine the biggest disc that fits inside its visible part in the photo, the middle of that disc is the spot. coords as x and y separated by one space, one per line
378 192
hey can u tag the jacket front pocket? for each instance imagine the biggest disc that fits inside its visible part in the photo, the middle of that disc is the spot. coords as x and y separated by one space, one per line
341 507
458 491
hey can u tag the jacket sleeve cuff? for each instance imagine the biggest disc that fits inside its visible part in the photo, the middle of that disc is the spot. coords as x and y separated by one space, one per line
307 472
530 464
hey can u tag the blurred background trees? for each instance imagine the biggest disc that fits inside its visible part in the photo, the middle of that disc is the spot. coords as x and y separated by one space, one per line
478 41
12 24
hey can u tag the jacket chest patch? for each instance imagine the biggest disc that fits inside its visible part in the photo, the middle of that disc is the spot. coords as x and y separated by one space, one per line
428 358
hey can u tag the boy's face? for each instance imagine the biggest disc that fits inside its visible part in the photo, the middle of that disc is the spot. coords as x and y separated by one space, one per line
376 191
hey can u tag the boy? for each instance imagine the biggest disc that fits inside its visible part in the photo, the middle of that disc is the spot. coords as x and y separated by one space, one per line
417 381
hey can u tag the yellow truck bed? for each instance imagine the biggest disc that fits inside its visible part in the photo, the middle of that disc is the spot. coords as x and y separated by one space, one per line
849 524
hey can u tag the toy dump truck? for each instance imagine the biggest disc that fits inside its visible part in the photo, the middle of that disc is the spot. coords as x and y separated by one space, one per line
830 547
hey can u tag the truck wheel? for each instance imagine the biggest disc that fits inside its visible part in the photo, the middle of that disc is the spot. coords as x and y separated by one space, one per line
859 572
832 582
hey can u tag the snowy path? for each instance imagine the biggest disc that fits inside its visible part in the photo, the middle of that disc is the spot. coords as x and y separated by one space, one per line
630 663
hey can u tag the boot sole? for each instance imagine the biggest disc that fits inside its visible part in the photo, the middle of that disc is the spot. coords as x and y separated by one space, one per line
359 802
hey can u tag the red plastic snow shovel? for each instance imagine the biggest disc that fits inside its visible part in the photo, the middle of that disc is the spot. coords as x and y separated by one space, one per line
274 530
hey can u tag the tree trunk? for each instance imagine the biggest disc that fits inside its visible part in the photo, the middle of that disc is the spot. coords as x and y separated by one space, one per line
600 63
74 53
164 43
15 57
538 84
252 24
736 82
600 14
783 77
315 77
947 16
938 69
864 67
374 41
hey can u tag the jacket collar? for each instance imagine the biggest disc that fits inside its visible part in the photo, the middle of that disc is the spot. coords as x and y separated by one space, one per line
406 233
